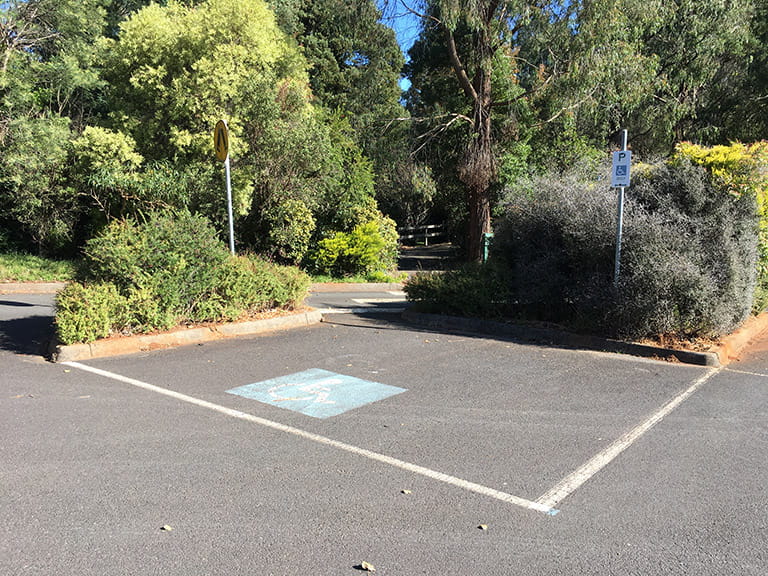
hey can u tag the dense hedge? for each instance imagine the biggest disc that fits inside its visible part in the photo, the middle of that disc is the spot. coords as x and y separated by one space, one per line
688 258
140 277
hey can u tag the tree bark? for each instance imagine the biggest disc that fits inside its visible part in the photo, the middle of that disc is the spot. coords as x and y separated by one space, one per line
477 170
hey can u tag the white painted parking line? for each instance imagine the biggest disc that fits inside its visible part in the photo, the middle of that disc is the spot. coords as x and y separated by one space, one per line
361 310
574 481
407 466
758 374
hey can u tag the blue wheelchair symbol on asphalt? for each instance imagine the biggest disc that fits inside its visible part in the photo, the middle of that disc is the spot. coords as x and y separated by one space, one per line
317 393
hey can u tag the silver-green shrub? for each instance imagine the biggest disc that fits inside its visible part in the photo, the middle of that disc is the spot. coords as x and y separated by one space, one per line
688 255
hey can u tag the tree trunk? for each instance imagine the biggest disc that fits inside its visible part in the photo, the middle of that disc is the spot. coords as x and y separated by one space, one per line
478 170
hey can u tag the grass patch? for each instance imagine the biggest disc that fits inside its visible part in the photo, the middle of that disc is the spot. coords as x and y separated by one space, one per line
27 268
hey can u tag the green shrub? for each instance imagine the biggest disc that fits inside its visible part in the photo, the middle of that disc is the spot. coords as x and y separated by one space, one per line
176 258
688 253
85 313
290 225
739 169
139 277
369 248
556 240
473 290
253 284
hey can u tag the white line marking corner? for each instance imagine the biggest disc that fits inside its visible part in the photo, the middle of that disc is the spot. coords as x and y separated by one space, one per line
375 456
576 479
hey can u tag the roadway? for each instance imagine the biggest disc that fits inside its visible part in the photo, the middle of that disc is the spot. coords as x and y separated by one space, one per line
447 454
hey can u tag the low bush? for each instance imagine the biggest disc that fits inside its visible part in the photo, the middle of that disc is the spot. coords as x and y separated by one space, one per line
473 290
740 169
368 249
688 257
140 277
87 312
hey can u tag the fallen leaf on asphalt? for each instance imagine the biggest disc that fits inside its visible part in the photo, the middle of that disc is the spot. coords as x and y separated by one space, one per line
166 528
368 567
83 397
483 526
406 492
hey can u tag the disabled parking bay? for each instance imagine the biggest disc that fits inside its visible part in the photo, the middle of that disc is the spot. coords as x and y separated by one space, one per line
366 440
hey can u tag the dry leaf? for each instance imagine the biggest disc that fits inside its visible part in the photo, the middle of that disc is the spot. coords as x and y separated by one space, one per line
167 528
368 567
483 526
406 492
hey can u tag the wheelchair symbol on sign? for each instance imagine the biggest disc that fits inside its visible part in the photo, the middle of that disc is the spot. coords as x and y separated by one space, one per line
317 392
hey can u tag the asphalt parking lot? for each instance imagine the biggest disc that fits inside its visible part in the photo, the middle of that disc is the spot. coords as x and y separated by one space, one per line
441 454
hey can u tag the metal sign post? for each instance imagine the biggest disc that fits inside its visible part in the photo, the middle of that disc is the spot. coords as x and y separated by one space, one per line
221 144
620 179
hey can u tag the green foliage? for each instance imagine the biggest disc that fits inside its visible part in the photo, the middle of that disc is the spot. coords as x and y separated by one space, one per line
472 290
739 169
139 277
176 257
369 248
291 225
85 313
35 195
298 173
354 60
688 257
102 149
15 267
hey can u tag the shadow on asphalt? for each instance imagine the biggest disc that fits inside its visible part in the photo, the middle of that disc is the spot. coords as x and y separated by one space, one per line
17 304
544 337
381 320
29 336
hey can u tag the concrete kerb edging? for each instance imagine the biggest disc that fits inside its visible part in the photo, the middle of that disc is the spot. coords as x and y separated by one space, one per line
355 287
31 287
727 351
134 344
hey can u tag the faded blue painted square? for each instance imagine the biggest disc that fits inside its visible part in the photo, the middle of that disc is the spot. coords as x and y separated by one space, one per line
317 393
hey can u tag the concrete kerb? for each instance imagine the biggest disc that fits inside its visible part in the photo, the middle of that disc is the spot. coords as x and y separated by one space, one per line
31 287
134 344
727 351
355 287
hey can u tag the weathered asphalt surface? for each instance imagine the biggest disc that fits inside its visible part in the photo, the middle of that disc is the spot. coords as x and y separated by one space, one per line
92 468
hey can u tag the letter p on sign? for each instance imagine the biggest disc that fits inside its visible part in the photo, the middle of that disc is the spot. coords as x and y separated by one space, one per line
620 171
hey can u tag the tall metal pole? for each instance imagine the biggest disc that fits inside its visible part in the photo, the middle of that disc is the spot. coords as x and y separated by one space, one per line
619 220
229 207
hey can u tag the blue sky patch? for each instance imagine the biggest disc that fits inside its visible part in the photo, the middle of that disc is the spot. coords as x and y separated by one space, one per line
317 393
